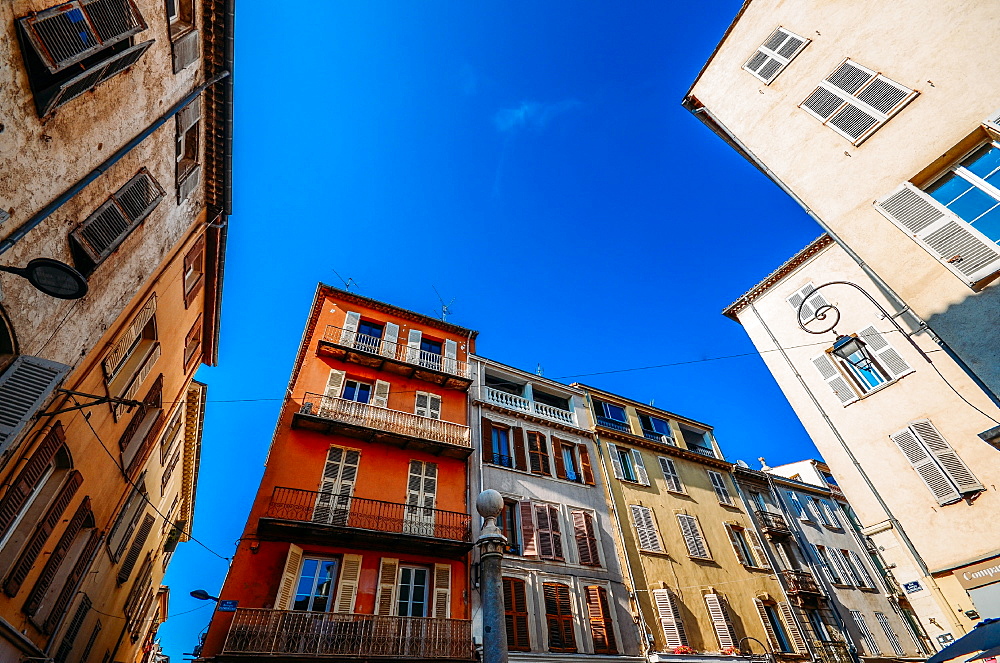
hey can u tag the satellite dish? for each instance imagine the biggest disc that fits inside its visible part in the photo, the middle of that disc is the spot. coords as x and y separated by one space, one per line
743 463
52 277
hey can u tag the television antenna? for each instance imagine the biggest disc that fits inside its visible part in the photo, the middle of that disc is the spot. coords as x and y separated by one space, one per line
445 308
348 283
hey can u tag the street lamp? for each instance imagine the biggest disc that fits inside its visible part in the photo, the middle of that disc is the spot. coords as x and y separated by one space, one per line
52 277
847 347
202 595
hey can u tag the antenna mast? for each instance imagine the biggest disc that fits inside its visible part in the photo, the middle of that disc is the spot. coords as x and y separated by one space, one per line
445 308
348 283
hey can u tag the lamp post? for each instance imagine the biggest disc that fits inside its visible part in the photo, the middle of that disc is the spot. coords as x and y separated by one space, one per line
845 346
491 544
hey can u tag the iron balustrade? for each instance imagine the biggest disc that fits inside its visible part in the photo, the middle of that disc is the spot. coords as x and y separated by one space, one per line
396 351
266 632
704 451
772 521
800 581
384 419
501 460
658 437
614 424
831 651
373 515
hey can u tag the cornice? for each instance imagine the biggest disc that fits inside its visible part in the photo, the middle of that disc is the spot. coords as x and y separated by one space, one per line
661 448
383 307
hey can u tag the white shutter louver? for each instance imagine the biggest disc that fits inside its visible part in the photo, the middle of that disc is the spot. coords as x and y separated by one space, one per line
641 475
721 490
24 387
450 356
413 346
943 489
333 503
385 600
834 379
289 579
813 302
616 461
645 528
953 466
772 639
390 339
968 253
349 332
421 402
854 101
380 395
758 549
774 54
670 475
821 560
885 354
861 571
442 591
792 628
843 568
670 618
720 620
347 584
693 537
890 634
333 389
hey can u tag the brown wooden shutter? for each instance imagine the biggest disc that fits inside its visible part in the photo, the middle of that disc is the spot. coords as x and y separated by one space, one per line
29 555
545 548
520 461
585 467
73 630
193 256
27 480
530 545
72 582
559 617
132 556
516 614
56 557
486 432
601 626
556 532
557 447
586 541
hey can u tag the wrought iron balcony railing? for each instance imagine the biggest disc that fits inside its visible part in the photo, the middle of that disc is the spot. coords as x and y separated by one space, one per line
831 651
772 522
384 419
800 582
264 632
704 451
396 351
614 424
522 404
373 515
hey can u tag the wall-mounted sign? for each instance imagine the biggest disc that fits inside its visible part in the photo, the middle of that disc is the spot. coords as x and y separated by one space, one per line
977 575
228 606
911 587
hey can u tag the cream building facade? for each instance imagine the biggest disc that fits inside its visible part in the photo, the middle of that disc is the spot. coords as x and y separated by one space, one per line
881 121
899 426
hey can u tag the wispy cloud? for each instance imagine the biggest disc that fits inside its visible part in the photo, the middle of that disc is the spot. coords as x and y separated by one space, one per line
532 115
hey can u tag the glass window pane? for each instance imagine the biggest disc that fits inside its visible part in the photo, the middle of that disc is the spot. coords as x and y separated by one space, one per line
614 412
972 204
370 329
989 223
984 162
307 579
430 346
364 393
948 188
350 390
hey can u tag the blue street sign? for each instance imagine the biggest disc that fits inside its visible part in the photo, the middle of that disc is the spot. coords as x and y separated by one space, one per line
228 606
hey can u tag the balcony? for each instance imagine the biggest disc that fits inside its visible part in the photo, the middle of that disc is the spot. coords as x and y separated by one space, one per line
614 424
521 404
322 517
259 632
658 437
338 416
394 357
800 582
831 651
703 451
773 523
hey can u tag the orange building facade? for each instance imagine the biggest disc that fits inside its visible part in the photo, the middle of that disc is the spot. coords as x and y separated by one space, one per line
359 536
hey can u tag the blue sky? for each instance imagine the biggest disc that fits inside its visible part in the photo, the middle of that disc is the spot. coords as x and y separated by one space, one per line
530 160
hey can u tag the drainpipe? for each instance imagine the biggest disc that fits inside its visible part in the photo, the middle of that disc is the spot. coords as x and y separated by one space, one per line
716 126
47 211
864 475
640 621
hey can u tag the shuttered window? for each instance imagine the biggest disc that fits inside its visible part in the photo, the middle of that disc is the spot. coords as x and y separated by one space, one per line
188 172
792 628
670 475
602 628
829 570
955 218
138 543
340 472
549 532
586 538
855 101
128 518
192 344
347 584
719 614
528 535
515 601
559 617
747 546
771 622
427 405
421 493
834 379
81 519
670 618
813 302
721 489
870 644
103 231
645 528
693 537
861 575
30 480
774 54
194 271
538 454
935 462
289 579
585 466
73 630
441 607
890 634
24 388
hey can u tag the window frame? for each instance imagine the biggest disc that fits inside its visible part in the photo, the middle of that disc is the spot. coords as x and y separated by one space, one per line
628 467
774 53
357 387
428 602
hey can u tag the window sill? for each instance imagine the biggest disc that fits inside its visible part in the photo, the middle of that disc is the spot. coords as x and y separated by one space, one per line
179 29
702 559
678 492
734 506
879 388
662 553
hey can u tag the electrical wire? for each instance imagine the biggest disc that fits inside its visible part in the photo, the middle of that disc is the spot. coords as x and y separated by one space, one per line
150 620
134 486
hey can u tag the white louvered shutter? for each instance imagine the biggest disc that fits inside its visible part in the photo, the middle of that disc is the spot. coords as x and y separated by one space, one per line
670 474
821 560
834 379
721 490
968 253
693 537
737 548
645 528
422 402
347 584
831 513
616 461
943 489
890 634
953 466
774 54
800 513
772 639
390 339
792 628
720 620
431 405
289 579
450 356
380 395
334 387
843 568
385 600
870 643
442 591
854 101
813 301
640 468
670 618
413 346
758 549
333 503
884 353
349 332
861 571
24 387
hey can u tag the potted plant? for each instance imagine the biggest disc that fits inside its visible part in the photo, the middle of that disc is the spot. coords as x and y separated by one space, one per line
683 649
